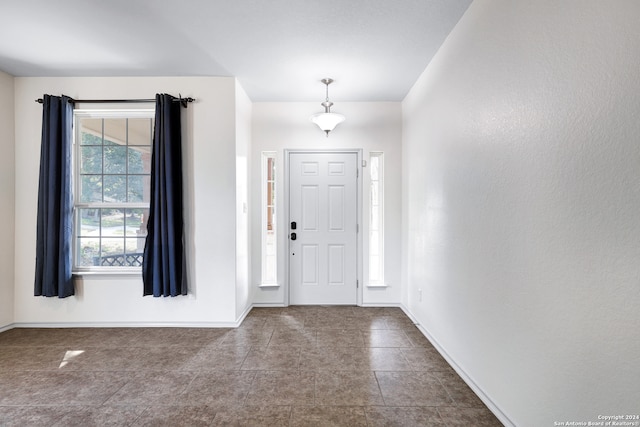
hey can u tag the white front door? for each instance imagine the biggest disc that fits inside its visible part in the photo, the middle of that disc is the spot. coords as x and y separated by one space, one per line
323 203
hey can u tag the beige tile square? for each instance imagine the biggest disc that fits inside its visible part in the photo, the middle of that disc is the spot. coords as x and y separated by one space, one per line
293 337
412 389
463 417
83 416
459 391
258 416
328 358
339 338
218 388
386 359
151 388
347 389
282 388
220 358
386 338
171 416
282 358
328 416
383 416
425 359
247 337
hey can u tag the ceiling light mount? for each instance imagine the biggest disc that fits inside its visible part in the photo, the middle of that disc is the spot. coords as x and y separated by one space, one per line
327 121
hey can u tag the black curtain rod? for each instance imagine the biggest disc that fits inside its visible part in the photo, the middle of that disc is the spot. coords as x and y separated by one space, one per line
181 100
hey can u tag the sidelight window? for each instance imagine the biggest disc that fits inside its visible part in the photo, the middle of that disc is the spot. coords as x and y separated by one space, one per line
376 219
269 227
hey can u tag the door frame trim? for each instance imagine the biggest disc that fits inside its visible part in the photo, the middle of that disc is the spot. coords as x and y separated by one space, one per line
284 233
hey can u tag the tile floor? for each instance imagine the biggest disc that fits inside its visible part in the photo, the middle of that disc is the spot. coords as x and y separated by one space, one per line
295 366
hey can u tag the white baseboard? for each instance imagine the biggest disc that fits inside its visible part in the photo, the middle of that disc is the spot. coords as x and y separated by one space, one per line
267 305
7 327
465 377
382 304
127 324
244 314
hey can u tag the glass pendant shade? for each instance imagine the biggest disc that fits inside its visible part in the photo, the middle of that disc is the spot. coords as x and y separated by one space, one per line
327 121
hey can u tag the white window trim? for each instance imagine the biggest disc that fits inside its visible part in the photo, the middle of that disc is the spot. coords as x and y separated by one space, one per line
95 271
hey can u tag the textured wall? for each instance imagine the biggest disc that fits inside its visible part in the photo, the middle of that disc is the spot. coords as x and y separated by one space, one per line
7 199
522 205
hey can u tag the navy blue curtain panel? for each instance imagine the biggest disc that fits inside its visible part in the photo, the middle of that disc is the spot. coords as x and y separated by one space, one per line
164 262
55 201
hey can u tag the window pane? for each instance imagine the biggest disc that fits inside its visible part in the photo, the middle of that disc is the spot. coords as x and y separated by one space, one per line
90 188
88 252
134 245
115 159
270 169
138 189
136 225
140 131
133 252
112 247
374 269
115 188
374 244
89 222
375 220
115 131
91 159
271 194
375 199
374 167
90 139
139 160
91 132
112 222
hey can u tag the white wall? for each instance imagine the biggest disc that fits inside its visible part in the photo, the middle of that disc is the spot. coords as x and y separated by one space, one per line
7 201
210 157
370 126
243 238
522 200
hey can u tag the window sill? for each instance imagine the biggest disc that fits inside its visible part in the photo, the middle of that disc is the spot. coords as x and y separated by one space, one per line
269 285
108 273
377 285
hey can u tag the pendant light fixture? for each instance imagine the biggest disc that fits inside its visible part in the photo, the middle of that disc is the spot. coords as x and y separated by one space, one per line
327 121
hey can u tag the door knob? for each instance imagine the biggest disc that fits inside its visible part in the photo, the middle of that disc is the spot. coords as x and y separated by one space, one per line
293 236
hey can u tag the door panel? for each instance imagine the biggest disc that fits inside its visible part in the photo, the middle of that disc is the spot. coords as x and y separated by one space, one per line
323 200
336 208
310 205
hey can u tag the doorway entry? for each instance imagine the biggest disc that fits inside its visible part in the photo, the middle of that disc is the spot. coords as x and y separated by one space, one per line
323 256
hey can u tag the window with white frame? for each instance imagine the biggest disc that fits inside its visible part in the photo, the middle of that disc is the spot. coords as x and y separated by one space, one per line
376 219
112 164
268 226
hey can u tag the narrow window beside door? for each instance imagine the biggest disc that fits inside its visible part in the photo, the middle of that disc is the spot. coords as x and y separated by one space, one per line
376 220
269 232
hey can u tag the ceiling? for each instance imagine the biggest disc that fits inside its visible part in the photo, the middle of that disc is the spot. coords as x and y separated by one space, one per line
279 50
